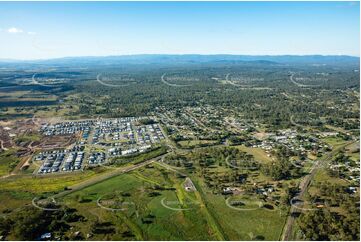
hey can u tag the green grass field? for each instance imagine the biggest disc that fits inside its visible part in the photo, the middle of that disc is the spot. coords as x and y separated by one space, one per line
7 162
194 143
334 141
157 151
28 138
148 218
161 209
43 184
151 203
258 224
353 151
258 153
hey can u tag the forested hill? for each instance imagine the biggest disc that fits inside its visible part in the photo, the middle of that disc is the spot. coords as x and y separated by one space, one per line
194 59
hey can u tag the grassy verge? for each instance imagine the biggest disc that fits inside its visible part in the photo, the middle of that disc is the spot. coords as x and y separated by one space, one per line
8 162
138 158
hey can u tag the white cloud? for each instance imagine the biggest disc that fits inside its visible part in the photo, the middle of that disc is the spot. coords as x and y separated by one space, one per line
14 30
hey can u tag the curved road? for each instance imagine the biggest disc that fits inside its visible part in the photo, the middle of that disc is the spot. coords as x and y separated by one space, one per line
171 84
110 85
245 86
299 84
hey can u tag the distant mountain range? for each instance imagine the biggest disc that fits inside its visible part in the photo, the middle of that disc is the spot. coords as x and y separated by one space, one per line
193 59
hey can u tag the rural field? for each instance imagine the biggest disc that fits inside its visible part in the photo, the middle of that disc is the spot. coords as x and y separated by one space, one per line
180 121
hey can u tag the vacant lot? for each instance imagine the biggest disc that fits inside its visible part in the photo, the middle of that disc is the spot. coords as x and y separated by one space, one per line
258 153
155 198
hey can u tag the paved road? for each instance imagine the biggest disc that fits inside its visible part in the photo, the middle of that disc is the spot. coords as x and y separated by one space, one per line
299 84
106 176
171 84
197 121
303 186
110 85
2 145
170 168
245 87
294 123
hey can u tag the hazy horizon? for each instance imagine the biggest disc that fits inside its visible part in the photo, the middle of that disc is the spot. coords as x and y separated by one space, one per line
48 30
175 54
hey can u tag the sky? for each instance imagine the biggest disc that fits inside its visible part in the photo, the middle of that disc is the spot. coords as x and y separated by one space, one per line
44 30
